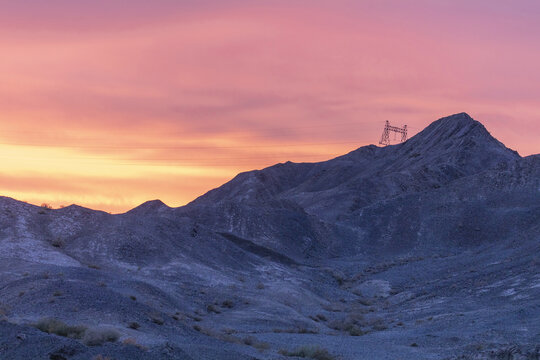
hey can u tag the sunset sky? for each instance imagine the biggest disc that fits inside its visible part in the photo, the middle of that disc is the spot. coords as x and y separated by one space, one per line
111 103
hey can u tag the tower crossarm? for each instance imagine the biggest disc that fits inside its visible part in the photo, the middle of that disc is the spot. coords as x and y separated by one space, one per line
397 129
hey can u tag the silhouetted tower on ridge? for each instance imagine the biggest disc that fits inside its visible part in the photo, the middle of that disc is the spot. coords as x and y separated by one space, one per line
385 138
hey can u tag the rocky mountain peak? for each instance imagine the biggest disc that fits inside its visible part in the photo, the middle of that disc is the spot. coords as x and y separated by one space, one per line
149 207
459 136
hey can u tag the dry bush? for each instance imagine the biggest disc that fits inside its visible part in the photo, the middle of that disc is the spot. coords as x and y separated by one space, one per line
99 336
134 325
227 304
212 308
156 318
101 357
57 242
261 346
58 327
309 352
352 324
133 342
249 340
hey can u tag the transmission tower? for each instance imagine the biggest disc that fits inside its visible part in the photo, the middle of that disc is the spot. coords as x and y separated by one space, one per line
385 138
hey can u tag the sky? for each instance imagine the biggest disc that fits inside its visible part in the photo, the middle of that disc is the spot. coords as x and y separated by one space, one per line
108 104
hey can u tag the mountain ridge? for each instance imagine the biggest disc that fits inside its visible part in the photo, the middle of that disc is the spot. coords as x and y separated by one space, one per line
436 236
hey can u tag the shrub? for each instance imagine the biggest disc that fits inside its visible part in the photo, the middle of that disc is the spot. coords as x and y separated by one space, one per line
356 331
90 337
57 242
133 342
261 346
309 352
229 331
99 336
101 357
134 325
55 326
211 308
338 276
227 304
156 318
249 340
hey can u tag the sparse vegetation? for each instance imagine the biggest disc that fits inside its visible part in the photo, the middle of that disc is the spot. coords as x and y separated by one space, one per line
57 242
298 330
226 335
211 308
365 301
309 352
227 304
134 325
3 313
133 342
58 327
338 276
357 325
249 340
261 346
89 336
156 318
99 336
101 357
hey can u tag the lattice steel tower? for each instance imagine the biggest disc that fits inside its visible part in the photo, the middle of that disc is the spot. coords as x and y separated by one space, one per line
385 138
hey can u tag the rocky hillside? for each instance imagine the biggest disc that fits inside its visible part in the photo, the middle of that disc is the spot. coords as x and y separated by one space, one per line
422 250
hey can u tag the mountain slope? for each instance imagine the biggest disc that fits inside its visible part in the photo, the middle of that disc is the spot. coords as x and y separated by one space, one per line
317 205
433 242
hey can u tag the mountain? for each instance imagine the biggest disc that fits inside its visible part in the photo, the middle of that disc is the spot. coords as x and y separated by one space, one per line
427 249
318 206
